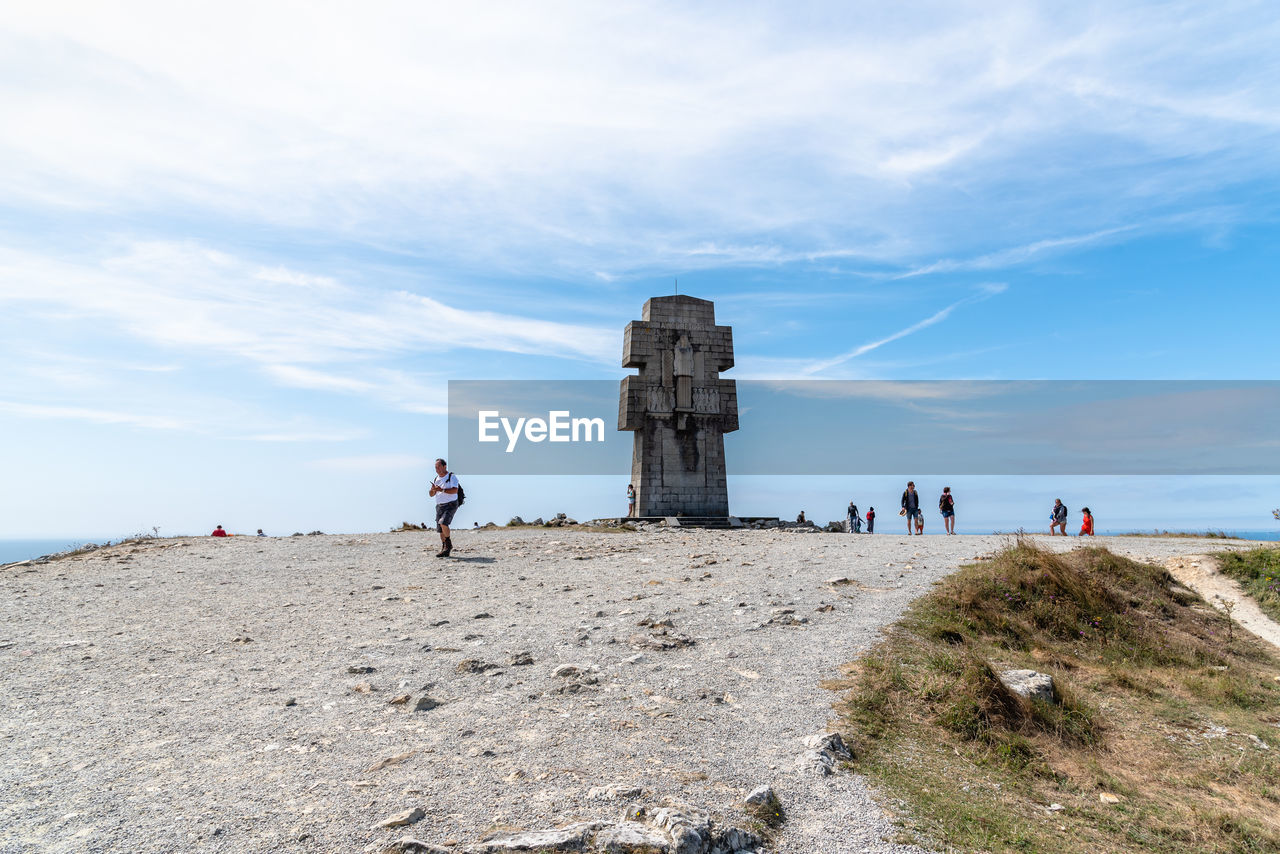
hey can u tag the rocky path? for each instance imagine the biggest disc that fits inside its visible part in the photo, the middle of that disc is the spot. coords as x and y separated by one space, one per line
292 694
1200 573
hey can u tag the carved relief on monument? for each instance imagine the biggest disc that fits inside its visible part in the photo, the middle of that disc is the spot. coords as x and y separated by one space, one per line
661 400
706 400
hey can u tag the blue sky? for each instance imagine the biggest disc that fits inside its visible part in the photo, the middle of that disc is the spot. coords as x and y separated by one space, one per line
243 247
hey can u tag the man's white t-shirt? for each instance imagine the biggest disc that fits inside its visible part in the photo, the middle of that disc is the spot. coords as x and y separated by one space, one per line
446 481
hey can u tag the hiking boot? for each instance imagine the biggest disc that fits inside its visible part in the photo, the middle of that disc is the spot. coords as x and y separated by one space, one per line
444 550
448 546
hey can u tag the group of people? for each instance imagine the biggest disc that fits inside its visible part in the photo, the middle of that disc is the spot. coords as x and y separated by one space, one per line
447 493
1058 520
221 532
910 508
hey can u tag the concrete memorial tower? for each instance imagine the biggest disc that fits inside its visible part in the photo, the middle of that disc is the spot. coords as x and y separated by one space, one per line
678 407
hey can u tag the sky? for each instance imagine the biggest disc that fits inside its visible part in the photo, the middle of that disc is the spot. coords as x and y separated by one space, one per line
245 246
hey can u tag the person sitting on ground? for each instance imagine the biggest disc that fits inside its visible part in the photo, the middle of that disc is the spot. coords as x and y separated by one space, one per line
1086 525
1058 517
260 534
218 532
800 520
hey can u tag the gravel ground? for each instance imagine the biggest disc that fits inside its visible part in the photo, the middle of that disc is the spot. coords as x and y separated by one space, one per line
236 695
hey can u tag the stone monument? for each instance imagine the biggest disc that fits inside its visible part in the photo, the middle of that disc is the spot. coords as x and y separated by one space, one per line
678 407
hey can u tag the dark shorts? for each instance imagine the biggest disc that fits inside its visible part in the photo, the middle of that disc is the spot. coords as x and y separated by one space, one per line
444 512
914 514
947 514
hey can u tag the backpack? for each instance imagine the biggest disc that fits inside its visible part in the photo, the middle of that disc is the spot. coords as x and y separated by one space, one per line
462 496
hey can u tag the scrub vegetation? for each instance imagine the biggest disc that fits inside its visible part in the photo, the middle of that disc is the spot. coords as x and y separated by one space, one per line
1162 735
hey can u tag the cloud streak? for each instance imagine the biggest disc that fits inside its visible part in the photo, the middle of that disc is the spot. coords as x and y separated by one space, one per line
987 291
192 299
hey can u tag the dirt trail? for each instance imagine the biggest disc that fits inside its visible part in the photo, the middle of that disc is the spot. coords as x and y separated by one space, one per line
1200 573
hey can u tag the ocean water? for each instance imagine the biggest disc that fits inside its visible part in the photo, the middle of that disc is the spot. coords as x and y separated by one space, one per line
15 550
1272 535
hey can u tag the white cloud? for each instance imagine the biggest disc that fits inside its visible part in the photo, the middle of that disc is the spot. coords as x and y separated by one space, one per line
96 416
624 136
192 300
195 416
1017 254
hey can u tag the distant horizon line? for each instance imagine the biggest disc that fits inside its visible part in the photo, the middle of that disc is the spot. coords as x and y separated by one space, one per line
1153 531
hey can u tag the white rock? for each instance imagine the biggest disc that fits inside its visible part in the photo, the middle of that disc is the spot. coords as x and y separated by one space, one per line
1029 684
629 836
403 819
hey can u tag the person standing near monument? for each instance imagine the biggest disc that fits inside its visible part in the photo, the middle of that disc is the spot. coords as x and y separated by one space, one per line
444 489
947 507
911 507
631 500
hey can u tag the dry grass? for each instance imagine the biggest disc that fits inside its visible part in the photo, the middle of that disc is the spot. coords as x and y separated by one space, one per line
1153 706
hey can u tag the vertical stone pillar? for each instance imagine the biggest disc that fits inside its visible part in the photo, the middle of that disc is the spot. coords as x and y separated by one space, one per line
678 407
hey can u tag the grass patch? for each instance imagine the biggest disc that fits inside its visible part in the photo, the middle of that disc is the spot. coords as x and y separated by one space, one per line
1153 708
1258 571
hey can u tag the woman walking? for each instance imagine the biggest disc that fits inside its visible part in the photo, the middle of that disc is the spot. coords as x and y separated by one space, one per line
947 507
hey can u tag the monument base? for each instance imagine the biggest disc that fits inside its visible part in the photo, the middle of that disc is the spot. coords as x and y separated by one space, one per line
722 522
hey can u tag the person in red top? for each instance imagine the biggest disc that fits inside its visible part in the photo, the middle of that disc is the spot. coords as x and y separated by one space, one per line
1086 527
218 532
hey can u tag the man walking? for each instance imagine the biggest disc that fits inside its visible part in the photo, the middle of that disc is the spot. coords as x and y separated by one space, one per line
444 489
854 525
911 505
